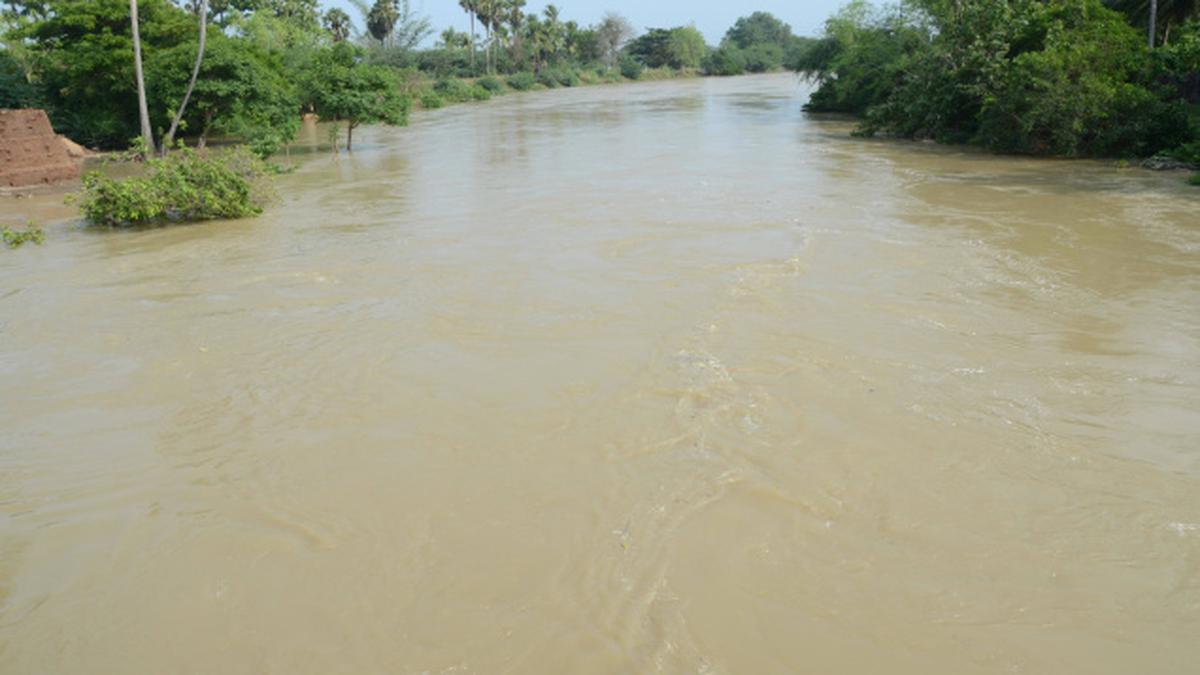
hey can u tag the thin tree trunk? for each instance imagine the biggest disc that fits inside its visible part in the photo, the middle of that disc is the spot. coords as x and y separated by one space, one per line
349 137
203 142
169 139
143 109
472 41
1153 21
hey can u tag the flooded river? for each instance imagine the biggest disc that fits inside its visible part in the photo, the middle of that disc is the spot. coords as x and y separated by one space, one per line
659 378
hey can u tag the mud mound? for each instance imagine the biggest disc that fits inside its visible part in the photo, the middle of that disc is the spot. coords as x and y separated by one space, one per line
30 152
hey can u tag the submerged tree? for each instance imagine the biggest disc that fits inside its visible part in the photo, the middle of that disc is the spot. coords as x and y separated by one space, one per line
339 87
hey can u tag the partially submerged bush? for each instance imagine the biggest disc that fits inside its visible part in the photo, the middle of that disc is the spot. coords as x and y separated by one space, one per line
724 61
631 68
431 101
566 77
492 84
454 90
522 81
17 238
185 186
1195 179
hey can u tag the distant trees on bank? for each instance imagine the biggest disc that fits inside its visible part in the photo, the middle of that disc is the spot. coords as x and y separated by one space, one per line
265 63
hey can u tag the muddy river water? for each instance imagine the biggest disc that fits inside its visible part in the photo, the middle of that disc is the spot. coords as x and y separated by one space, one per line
659 378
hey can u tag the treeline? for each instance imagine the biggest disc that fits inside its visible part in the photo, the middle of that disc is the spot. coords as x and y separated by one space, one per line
265 63
1069 78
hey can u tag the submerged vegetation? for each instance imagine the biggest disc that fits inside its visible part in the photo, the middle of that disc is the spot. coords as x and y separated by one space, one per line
18 238
184 186
1073 78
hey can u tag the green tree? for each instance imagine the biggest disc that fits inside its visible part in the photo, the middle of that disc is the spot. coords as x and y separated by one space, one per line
338 24
341 88
241 92
680 47
80 54
759 28
16 91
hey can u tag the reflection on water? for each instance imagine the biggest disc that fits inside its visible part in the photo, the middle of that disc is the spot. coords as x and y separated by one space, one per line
653 378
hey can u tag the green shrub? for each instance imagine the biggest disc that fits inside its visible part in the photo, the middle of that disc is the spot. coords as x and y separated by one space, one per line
185 186
1188 152
566 77
724 61
454 91
1195 179
547 79
492 84
17 238
431 101
762 58
479 93
522 81
631 68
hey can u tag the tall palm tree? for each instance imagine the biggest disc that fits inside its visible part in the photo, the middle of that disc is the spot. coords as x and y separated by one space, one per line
382 18
338 24
470 7
143 109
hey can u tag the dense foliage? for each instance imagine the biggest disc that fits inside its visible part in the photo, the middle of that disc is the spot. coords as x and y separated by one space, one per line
757 43
1052 77
185 186
340 87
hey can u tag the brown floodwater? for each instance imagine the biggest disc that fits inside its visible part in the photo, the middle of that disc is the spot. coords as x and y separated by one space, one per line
659 378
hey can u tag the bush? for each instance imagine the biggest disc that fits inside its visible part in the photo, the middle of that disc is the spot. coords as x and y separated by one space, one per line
566 77
547 79
522 81
479 93
17 238
631 68
762 58
454 90
724 61
431 101
492 84
185 186
1195 179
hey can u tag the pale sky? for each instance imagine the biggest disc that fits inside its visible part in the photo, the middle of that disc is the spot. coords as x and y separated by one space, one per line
712 18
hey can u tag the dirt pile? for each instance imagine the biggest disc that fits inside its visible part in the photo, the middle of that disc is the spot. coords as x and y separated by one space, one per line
30 152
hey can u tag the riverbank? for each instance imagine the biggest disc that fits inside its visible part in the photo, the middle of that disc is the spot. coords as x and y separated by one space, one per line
432 93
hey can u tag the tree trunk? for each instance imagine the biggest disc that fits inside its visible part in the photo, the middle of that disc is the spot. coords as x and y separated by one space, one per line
169 139
1153 21
143 110
472 42
203 142
349 137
